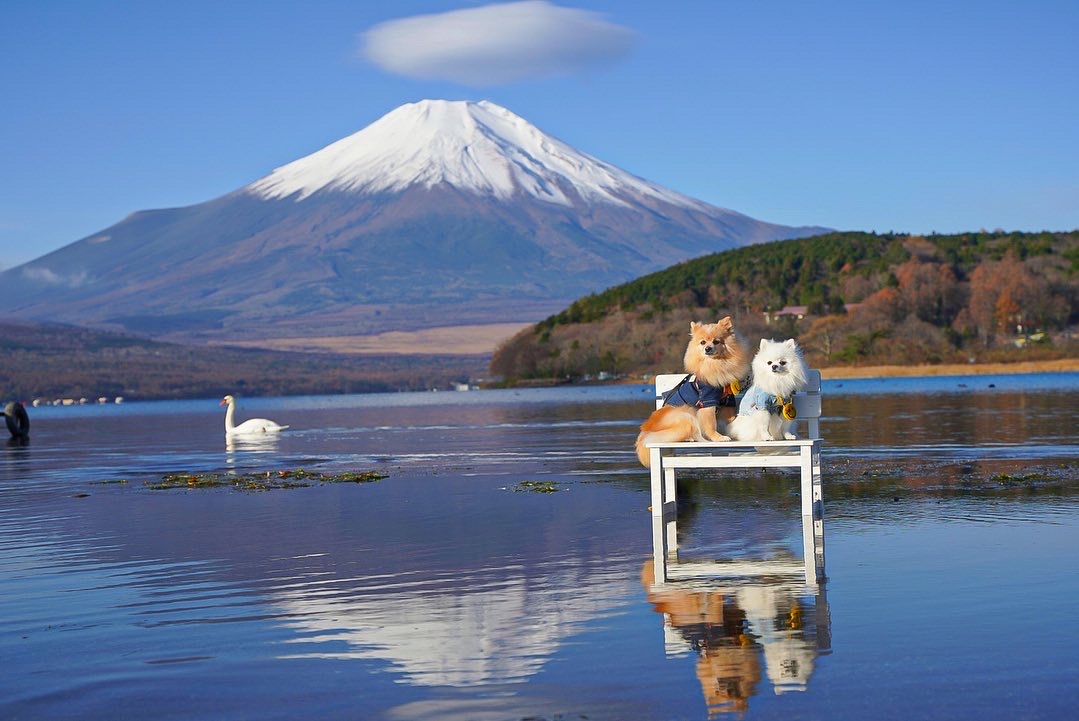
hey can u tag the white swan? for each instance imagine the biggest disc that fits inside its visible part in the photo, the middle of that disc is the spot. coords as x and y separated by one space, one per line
251 425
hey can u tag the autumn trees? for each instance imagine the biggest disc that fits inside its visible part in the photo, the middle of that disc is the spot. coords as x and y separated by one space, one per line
1007 298
871 299
929 313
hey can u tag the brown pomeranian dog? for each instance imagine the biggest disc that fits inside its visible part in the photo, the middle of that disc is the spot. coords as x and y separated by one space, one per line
718 361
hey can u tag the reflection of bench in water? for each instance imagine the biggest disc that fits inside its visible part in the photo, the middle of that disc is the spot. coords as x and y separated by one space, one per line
741 631
802 454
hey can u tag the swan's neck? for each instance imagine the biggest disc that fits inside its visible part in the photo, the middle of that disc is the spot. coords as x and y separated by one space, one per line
228 417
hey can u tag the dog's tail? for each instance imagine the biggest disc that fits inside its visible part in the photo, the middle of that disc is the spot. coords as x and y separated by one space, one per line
670 424
644 454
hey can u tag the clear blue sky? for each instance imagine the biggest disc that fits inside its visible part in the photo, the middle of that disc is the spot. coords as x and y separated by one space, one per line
919 116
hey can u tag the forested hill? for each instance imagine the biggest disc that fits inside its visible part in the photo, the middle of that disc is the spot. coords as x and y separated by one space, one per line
849 298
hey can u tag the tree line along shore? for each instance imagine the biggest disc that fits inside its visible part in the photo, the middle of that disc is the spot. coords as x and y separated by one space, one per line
1061 365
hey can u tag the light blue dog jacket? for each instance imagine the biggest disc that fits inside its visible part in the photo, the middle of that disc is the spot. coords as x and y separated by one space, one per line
758 399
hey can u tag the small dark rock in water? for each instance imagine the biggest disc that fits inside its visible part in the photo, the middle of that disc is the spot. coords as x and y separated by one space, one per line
895 498
992 385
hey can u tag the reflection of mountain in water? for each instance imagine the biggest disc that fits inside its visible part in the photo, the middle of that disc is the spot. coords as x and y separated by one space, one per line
453 631
731 626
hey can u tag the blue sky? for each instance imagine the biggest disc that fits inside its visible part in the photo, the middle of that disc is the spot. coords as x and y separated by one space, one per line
914 116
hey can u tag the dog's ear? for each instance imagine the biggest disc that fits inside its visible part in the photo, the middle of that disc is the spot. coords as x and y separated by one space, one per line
693 326
725 323
790 343
764 342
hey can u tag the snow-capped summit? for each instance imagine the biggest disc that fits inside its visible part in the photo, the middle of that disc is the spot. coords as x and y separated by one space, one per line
474 146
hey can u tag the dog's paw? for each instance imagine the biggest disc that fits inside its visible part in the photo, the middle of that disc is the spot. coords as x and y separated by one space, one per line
790 436
721 438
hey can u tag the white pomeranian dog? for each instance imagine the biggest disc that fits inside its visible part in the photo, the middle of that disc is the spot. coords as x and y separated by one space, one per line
766 412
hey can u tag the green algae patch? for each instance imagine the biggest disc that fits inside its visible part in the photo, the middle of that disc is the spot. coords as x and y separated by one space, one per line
537 487
261 480
351 477
1008 479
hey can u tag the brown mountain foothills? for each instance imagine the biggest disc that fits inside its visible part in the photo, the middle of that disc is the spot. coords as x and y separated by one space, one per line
858 303
446 340
67 362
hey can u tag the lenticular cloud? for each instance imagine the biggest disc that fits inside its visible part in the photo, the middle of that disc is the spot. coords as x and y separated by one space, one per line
496 44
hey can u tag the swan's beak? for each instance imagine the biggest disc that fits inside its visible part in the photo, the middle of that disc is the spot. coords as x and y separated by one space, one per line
223 402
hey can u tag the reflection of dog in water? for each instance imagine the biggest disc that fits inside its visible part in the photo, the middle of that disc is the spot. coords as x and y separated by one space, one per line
728 659
730 630
718 361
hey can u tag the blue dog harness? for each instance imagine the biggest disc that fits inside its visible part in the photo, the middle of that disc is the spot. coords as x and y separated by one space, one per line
699 395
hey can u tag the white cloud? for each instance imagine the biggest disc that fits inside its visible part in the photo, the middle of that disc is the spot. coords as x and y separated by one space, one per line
49 277
496 44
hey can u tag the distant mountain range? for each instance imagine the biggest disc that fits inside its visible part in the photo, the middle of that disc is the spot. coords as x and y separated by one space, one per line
439 213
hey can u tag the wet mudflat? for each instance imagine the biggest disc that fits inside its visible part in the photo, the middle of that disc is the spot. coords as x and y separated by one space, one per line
496 562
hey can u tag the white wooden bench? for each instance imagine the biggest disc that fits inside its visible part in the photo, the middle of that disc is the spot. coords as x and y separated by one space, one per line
802 454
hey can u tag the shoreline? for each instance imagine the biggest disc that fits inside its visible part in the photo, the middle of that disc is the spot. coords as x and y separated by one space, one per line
1062 365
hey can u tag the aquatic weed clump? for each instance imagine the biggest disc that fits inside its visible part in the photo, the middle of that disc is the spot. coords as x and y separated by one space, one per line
1010 479
261 480
537 487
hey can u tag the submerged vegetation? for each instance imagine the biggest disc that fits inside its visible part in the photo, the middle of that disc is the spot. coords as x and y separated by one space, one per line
849 298
258 481
537 487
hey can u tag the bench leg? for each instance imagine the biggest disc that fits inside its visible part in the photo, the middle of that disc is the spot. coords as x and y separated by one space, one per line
805 467
664 546
818 512
812 515
818 486
664 494
810 551
659 550
656 470
672 491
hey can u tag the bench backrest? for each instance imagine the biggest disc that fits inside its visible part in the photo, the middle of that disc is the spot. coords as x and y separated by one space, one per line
806 402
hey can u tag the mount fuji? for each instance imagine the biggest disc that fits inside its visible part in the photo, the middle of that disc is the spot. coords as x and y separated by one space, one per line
439 213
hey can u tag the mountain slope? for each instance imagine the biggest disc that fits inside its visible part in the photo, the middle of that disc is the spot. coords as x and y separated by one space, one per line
438 213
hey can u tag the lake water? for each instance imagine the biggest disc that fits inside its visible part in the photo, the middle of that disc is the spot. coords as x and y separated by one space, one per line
452 589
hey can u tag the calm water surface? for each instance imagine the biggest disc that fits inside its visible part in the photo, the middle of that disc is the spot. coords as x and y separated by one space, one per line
449 590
